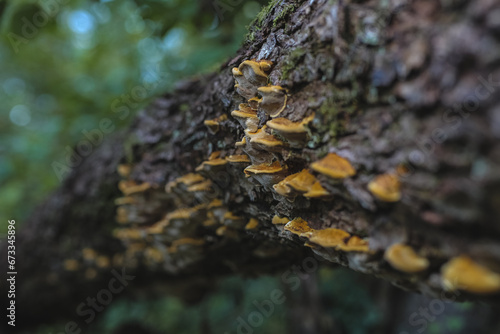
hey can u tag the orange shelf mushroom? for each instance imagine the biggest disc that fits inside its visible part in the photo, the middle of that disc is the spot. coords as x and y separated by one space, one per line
266 174
300 182
280 221
404 258
462 273
355 244
252 224
273 100
329 237
317 191
213 125
386 188
247 117
299 227
250 75
334 166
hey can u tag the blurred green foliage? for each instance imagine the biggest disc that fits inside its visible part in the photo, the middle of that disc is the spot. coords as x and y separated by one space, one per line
64 63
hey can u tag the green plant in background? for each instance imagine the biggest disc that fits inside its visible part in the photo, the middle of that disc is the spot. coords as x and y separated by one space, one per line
65 66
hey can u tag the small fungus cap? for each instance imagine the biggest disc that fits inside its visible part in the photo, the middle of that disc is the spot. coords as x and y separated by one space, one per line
334 166
285 125
463 273
329 237
273 99
355 244
238 158
316 191
263 138
280 221
404 258
265 168
299 227
252 224
386 187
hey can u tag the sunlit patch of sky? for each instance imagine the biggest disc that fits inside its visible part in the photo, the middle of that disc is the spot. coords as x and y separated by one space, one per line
20 115
81 22
173 40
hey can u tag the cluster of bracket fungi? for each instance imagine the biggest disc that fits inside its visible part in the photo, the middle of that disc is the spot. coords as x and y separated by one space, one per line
202 220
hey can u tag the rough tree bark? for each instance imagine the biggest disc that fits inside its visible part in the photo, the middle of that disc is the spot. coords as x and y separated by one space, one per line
408 90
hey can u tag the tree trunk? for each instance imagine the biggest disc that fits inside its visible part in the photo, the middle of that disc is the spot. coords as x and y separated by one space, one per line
402 96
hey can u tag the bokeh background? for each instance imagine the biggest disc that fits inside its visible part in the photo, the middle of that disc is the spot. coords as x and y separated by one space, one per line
62 66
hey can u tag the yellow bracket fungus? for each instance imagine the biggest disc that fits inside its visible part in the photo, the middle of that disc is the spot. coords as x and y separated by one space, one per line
273 100
299 227
299 182
404 258
234 159
280 221
249 76
334 166
463 273
386 188
355 244
329 237
316 191
247 117
124 170
213 125
262 140
131 187
252 224
188 179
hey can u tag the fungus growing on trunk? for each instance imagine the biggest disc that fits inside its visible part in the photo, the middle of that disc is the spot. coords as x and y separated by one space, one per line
462 273
213 125
280 221
299 227
246 117
404 258
187 179
355 244
249 76
273 100
235 159
264 141
297 183
386 187
124 170
317 191
128 187
252 224
334 166
266 174
214 164
329 237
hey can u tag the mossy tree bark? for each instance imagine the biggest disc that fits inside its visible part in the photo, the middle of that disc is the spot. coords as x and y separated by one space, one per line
407 89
